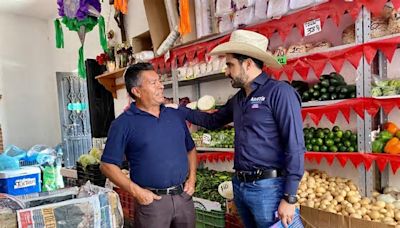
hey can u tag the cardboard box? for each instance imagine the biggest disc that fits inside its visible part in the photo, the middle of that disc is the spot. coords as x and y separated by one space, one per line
142 42
157 20
316 218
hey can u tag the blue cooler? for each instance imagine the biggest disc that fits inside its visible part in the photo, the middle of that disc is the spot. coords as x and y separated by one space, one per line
22 181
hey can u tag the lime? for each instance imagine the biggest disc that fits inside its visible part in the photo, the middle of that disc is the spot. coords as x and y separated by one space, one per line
313 141
320 142
306 130
347 143
320 134
339 144
315 148
329 142
339 134
337 140
343 149
309 136
353 138
347 134
335 129
312 129
331 135
309 147
307 141
324 148
326 130
333 149
351 149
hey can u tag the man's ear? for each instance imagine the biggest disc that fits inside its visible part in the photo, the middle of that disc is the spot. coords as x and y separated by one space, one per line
136 91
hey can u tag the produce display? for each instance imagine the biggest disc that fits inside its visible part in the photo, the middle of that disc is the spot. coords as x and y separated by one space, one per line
330 87
326 140
388 140
92 158
386 88
207 182
341 196
217 139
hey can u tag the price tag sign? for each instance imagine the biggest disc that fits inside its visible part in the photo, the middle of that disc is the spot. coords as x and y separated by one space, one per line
282 59
167 56
207 139
312 27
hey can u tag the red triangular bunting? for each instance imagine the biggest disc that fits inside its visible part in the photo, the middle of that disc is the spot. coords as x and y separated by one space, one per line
375 6
316 117
289 73
318 159
303 115
388 50
329 158
356 159
359 109
387 107
396 4
284 32
394 164
369 52
337 63
345 112
381 162
331 115
367 163
318 66
354 57
342 159
303 72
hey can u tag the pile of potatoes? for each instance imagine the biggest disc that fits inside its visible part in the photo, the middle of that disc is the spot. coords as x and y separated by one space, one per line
341 196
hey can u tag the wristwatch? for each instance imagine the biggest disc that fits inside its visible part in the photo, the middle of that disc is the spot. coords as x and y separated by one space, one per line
291 199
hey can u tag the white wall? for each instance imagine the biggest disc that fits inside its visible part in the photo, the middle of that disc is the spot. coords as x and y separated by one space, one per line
28 109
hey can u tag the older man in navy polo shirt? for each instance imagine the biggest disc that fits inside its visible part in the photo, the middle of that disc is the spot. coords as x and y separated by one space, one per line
269 146
161 154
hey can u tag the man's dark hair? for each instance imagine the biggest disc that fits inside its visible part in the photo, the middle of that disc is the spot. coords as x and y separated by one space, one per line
241 58
132 76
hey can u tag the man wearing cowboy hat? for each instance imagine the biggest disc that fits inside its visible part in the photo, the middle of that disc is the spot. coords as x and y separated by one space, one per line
269 144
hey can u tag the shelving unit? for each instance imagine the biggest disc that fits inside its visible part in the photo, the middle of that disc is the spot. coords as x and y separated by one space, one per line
365 119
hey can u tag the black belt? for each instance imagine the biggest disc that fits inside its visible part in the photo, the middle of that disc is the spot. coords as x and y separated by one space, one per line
250 176
175 190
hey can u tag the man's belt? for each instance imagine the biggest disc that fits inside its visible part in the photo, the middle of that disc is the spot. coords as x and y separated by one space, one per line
175 190
250 176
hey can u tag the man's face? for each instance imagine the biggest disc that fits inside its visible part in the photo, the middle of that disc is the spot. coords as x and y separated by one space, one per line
235 71
151 90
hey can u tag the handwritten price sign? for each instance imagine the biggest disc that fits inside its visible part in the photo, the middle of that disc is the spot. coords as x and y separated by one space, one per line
312 27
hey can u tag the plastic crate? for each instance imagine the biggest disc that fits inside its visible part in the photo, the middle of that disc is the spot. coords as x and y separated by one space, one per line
233 221
210 219
92 173
128 206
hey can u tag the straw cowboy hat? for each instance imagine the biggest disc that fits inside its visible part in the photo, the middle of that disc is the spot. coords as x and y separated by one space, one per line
248 43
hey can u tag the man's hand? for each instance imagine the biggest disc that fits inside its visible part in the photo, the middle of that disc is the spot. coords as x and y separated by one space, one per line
145 197
286 212
190 186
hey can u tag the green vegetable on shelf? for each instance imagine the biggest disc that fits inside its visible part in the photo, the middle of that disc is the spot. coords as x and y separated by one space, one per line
377 146
384 136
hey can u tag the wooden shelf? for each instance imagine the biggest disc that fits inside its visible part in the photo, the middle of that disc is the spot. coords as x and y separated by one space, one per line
108 81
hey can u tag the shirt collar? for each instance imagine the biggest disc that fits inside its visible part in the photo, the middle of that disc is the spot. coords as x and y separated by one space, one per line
136 110
260 80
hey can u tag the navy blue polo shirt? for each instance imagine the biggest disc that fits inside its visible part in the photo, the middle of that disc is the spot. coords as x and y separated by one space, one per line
156 148
268 128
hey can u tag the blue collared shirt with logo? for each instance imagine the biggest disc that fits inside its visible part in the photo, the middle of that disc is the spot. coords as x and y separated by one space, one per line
156 148
268 128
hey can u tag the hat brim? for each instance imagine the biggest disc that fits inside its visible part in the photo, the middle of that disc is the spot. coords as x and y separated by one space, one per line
246 49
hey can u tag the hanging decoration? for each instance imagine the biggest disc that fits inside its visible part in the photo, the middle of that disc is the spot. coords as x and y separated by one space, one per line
121 6
80 16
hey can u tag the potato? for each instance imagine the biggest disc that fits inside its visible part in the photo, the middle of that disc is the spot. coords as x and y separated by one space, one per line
353 199
390 206
309 191
397 216
338 207
387 220
353 187
389 214
334 202
380 204
365 201
302 200
345 213
339 198
350 210
321 190
319 194
374 215
303 194
311 196
347 189
329 197
383 211
343 193
363 210
375 194
366 217
317 204
375 208
323 206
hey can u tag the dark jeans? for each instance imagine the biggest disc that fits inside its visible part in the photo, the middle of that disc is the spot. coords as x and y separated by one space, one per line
171 211
258 201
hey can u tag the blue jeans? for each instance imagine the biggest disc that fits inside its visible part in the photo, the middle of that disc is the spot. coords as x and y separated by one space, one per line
258 201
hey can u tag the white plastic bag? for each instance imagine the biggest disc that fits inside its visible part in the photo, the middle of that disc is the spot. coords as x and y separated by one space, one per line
277 8
260 10
243 17
223 7
296 4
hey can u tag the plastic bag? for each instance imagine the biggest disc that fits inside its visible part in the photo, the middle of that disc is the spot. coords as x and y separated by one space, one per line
15 152
49 178
8 163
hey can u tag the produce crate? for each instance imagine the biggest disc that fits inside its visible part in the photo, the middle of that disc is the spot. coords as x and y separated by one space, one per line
233 221
128 206
210 219
92 174
70 182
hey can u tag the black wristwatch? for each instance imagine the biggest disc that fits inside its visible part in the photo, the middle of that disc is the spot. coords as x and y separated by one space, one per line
291 199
